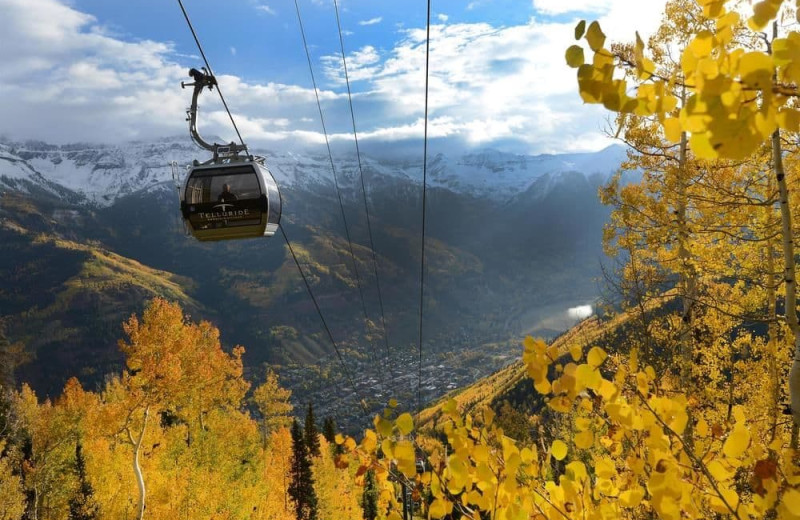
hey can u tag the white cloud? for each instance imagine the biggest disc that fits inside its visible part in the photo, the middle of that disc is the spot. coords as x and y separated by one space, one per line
371 21
442 17
615 16
580 312
266 9
233 51
63 78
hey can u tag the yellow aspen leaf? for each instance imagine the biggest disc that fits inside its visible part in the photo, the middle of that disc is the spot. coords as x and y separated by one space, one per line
405 423
370 441
394 515
631 497
589 88
406 458
485 476
383 426
576 352
719 471
480 454
542 386
387 447
438 508
527 455
595 36
755 69
339 438
702 147
558 449
392 403
672 130
580 29
712 8
574 56
577 471
763 12
702 44
604 468
791 499
607 390
702 428
737 442
596 356
560 404
350 444
587 376
731 501
584 440
459 474
789 119
708 70
633 360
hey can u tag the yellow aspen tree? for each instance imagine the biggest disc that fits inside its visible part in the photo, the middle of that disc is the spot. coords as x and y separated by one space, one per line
12 500
337 492
274 502
177 366
272 402
50 448
738 100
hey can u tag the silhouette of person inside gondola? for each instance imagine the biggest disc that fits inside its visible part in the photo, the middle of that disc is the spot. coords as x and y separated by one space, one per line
227 195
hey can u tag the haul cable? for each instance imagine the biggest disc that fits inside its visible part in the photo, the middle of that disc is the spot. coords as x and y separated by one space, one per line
333 169
364 193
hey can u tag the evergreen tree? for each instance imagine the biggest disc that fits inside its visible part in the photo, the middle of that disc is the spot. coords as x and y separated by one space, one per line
329 429
82 505
301 487
311 432
369 500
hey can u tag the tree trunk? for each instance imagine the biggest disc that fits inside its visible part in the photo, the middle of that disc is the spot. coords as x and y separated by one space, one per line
789 271
772 340
688 274
137 469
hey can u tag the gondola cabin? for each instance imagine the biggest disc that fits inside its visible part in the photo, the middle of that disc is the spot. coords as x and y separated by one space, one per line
223 201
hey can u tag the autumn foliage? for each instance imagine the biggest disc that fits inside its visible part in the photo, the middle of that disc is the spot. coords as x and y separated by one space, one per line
168 438
685 406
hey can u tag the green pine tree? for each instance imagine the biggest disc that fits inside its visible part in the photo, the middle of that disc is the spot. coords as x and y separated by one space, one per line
301 486
82 505
311 432
369 499
329 429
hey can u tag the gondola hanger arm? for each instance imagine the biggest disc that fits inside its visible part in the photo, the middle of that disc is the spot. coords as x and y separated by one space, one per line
202 79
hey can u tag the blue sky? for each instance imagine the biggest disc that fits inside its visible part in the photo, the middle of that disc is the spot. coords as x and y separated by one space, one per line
110 71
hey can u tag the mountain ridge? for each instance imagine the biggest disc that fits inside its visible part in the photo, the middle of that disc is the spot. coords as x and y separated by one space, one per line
101 174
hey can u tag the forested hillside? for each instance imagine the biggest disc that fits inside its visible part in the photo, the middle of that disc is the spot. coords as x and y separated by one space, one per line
119 201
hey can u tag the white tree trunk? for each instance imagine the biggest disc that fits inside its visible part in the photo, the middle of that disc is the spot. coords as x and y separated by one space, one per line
789 271
137 469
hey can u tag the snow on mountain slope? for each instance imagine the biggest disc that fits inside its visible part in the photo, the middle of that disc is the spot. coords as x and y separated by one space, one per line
18 175
101 173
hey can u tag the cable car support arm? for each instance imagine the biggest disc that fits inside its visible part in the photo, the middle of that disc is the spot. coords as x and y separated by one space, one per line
201 81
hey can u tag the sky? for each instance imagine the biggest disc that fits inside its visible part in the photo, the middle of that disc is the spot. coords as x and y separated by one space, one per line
110 71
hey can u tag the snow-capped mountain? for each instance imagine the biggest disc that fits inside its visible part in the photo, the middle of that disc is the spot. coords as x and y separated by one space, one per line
101 174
